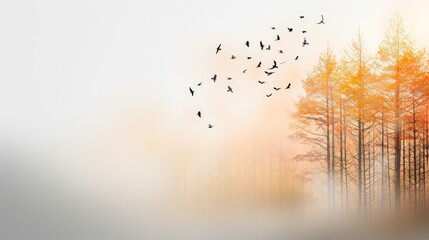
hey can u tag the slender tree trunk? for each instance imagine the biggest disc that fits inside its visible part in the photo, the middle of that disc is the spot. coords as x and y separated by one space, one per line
415 155
389 188
382 165
365 196
397 149
409 174
345 164
369 186
341 158
403 168
333 153
328 153
420 166
360 164
373 169
425 161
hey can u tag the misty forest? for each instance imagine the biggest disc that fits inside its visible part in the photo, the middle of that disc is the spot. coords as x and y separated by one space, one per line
364 125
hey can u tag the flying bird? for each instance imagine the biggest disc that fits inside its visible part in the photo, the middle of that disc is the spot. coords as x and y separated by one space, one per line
268 48
261 82
199 114
280 51
290 29
249 57
278 38
259 65
304 31
199 84
269 95
304 42
229 89
244 71
274 65
218 48
268 73
275 88
261 45
247 43
301 17
322 21
214 78
233 57
296 58
272 28
192 91
210 126
229 78
288 86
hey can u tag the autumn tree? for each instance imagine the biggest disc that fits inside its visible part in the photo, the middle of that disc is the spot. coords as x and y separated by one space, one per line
392 49
357 86
315 115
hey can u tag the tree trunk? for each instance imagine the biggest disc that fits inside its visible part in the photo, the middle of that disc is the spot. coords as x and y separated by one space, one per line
341 158
382 164
333 153
328 154
415 155
397 150
360 165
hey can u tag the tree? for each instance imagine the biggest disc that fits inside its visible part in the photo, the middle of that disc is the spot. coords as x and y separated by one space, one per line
357 85
315 114
392 49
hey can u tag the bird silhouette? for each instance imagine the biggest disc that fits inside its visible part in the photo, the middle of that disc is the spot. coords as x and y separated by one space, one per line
296 58
247 43
210 126
268 48
274 65
268 73
278 38
261 82
275 88
249 57
322 21
273 28
233 57
261 45
301 17
288 86
229 89
290 29
304 31
259 65
269 95
192 91
244 71
218 48
199 84
214 78
229 78
199 114
304 42
280 51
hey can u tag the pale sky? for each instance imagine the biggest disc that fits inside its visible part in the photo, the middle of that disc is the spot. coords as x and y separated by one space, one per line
70 67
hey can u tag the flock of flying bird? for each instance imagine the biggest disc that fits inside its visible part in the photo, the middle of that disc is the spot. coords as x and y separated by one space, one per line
269 71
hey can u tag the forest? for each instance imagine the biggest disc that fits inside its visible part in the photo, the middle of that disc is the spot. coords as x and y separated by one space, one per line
366 116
